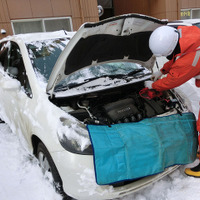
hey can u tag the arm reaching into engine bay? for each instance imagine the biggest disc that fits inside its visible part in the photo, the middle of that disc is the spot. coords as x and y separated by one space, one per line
180 72
166 67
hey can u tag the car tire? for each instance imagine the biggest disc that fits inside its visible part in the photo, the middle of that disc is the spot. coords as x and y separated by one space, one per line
47 165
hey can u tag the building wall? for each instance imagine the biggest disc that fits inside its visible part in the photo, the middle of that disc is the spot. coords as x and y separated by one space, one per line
190 4
4 18
131 6
86 10
162 9
155 8
79 10
173 8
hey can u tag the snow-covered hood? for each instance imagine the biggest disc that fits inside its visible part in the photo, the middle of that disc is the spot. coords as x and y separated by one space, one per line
119 39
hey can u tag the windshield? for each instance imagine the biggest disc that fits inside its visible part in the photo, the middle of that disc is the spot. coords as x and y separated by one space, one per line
44 54
112 70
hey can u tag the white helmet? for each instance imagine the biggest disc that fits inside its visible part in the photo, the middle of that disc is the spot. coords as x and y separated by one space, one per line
163 41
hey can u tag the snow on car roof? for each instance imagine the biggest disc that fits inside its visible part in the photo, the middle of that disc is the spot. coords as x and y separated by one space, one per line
30 37
192 21
185 22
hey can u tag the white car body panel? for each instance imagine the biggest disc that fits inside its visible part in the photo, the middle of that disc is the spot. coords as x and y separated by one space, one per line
30 105
82 178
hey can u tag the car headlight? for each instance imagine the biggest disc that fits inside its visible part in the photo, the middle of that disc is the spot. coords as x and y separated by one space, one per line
74 137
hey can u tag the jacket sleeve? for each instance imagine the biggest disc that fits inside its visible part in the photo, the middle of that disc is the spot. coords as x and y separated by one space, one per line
180 72
166 67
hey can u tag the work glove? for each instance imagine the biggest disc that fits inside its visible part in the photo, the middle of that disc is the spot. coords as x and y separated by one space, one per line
156 75
148 84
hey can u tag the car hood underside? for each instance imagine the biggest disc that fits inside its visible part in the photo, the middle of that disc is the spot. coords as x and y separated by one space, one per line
119 39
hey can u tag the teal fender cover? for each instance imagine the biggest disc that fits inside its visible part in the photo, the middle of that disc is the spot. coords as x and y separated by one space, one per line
130 151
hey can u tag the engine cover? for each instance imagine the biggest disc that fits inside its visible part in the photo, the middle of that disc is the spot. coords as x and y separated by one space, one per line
121 109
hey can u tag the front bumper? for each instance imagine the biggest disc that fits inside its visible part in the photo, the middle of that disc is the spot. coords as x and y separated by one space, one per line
78 176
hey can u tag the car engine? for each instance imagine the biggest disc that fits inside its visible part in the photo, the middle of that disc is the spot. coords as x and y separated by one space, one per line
119 105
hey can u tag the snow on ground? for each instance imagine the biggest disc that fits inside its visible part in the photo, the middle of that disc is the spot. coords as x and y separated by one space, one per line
20 174
176 186
21 177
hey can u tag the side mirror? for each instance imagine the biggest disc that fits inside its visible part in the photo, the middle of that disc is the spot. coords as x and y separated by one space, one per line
13 71
11 85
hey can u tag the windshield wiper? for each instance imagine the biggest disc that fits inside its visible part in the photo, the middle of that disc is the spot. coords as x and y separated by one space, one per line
111 76
135 72
72 85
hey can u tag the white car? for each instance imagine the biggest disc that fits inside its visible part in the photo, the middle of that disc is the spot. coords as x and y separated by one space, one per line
53 85
185 22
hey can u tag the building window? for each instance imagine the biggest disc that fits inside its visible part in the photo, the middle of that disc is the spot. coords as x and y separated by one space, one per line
42 25
190 13
196 14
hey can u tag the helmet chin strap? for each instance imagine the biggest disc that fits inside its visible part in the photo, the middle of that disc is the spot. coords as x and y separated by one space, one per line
177 50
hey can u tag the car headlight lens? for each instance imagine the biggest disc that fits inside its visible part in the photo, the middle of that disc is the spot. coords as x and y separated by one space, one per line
74 137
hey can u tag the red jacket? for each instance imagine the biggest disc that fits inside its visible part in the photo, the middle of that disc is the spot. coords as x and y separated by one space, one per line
187 62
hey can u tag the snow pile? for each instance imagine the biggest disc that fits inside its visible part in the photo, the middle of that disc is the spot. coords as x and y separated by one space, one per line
88 176
29 37
21 176
176 186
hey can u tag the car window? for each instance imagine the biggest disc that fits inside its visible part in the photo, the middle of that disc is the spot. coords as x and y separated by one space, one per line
197 24
17 69
4 49
44 55
12 62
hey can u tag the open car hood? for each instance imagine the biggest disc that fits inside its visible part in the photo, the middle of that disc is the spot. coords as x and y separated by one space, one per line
119 39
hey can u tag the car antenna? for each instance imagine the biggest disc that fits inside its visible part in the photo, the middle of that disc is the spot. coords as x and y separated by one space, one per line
157 65
64 31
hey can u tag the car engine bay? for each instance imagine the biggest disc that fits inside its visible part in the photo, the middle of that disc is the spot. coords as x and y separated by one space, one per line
119 105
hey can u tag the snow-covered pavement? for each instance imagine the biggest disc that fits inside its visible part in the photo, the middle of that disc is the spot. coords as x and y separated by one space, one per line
21 177
176 186
20 174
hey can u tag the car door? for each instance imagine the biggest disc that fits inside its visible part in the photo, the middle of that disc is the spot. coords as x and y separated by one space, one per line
5 82
15 91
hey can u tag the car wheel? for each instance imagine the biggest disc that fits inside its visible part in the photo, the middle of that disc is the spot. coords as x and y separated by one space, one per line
49 169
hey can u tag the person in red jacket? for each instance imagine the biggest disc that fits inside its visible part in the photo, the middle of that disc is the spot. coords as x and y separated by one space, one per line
181 46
